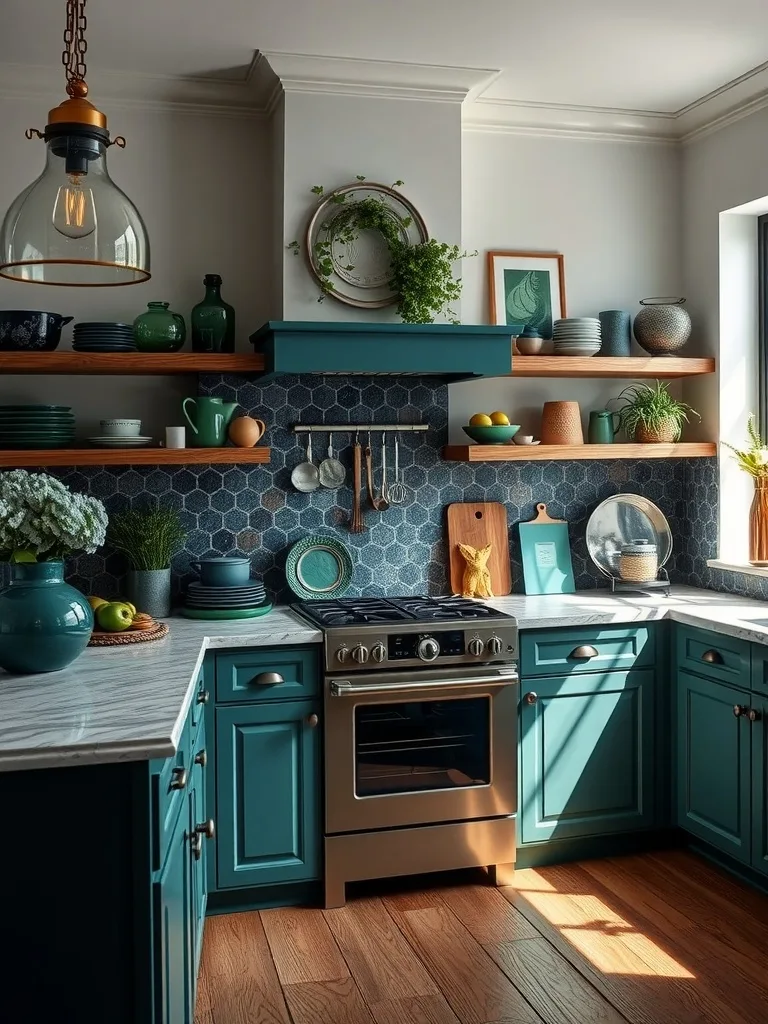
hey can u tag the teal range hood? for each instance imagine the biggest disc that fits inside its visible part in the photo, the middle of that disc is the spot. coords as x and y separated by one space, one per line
442 350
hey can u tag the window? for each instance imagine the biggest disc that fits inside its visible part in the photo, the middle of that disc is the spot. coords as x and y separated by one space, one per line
762 332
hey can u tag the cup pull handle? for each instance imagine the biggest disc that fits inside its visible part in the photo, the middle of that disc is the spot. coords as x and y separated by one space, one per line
712 657
584 652
268 679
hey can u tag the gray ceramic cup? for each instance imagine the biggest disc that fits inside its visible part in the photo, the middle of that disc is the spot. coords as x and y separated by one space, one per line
222 572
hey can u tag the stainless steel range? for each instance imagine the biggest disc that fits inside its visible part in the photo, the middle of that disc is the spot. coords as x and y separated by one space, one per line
420 737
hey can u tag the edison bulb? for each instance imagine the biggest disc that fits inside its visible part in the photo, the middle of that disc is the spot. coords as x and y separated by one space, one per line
74 212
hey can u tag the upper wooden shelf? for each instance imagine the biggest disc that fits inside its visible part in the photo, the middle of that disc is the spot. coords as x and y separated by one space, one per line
557 452
125 363
609 366
131 456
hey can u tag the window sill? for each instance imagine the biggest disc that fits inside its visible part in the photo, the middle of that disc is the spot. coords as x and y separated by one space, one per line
743 567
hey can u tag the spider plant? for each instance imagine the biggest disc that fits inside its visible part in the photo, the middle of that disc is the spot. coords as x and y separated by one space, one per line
650 413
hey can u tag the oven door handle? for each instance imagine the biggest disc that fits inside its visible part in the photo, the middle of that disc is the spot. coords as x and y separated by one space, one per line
346 689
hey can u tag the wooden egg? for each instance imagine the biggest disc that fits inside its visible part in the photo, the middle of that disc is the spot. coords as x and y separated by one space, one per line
245 431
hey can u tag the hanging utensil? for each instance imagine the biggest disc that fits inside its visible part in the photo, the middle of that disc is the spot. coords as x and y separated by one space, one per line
332 473
396 493
382 501
305 477
357 525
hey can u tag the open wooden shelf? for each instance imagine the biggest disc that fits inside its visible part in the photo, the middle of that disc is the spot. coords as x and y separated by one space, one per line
549 452
607 366
132 456
124 363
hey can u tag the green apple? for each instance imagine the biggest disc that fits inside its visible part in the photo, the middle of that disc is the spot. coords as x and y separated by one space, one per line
114 617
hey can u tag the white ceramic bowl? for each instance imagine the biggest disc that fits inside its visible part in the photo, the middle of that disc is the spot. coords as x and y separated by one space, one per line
529 346
524 439
120 428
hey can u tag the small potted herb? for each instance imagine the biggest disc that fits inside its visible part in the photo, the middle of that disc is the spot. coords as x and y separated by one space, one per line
147 539
651 415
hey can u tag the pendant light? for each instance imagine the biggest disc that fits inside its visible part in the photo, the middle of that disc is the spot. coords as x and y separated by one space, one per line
73 225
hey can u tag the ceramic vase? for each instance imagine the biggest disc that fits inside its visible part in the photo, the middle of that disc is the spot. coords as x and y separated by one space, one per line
616 332
149 590
159 329
662 326
561 423
758 524
44 622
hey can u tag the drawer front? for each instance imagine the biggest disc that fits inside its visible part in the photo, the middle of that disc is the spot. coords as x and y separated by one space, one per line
713 655
553 652
169 793
275 673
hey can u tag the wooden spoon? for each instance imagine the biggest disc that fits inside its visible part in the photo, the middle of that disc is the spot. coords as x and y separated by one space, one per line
357 525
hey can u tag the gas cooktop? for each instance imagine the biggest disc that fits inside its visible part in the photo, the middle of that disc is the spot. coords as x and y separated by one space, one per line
374 611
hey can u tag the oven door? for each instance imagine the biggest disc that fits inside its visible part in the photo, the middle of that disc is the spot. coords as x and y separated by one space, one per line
416 748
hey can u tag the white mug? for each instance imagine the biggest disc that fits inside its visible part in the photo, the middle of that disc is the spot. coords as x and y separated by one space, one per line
175 437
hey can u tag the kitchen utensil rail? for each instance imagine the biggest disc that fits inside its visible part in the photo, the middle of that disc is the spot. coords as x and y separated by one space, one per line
351 428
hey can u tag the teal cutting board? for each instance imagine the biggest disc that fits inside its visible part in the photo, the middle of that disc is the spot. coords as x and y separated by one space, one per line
546 553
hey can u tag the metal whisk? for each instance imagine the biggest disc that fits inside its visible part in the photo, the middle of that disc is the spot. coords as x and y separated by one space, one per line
397 492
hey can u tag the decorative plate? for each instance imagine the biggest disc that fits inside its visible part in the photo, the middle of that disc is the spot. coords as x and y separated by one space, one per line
226 613
622 519
361 268
318 567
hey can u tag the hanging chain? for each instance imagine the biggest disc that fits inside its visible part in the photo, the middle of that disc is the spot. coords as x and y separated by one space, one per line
75 45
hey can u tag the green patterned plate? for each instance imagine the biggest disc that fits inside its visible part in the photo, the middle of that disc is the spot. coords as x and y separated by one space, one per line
224 613
318 567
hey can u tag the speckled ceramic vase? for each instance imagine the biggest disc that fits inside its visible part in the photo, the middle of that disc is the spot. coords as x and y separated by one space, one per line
615 332
44 622
662 327
149 590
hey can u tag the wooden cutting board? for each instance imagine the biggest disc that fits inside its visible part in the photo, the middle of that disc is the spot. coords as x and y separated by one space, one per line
477 524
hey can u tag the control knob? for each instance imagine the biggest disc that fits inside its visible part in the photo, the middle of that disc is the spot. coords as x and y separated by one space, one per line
476 647
428 648
342 653
495 645
360 654
379 652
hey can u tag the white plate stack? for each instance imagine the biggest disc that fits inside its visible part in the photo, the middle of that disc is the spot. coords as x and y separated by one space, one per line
577 336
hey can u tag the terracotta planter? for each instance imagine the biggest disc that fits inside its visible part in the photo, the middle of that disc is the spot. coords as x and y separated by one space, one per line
758 524
561 423
664 433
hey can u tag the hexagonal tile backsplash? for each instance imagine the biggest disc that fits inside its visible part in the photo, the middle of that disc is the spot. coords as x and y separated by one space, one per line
256 511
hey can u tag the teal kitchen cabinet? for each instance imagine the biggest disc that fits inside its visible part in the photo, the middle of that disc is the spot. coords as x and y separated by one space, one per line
172 912
268 793
587 755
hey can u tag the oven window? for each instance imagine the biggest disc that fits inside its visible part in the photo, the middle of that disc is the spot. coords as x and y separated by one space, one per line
422 745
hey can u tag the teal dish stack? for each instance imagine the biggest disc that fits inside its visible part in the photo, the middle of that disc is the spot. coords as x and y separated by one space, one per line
36 426
225 590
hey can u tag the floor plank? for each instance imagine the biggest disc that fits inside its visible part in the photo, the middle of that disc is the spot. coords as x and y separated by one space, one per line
327 1002
486 915
238 974
558 993
418 1010
302 946
381 961
477 990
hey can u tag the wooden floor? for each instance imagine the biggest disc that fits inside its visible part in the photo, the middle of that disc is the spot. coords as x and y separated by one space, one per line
652 939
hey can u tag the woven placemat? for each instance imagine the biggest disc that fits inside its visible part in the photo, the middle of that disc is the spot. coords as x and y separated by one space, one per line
129 636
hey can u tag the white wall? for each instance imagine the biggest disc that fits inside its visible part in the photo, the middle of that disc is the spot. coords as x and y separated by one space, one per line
202 184
329 139
612 209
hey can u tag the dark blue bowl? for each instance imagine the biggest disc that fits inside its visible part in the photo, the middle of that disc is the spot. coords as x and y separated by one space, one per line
29 330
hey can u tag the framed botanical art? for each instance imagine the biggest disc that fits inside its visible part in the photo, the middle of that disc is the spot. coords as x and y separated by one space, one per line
527 288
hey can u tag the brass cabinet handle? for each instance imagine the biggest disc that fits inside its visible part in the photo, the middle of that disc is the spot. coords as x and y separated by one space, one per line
754 715
203 697
268 679
206 828
531 698
584 652
312 721
179 778
201 758
712 657
739 710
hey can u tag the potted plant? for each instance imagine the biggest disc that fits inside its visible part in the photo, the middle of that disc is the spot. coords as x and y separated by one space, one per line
148 539
44 622
651 415
754 460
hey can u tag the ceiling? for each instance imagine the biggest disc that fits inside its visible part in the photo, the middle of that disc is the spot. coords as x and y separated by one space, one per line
660 55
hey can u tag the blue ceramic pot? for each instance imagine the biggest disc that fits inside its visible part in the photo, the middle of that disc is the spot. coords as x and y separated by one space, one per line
44 623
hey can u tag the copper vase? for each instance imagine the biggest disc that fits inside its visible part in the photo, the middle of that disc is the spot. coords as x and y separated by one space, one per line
758 524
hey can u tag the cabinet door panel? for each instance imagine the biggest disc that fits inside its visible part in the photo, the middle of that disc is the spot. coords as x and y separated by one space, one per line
593 649
713 764
171 908
268 794
587 755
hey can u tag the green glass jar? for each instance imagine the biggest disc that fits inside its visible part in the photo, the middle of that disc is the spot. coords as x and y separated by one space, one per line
213 320
159 329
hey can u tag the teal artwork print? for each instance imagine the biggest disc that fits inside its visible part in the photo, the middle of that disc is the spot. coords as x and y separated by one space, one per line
528 299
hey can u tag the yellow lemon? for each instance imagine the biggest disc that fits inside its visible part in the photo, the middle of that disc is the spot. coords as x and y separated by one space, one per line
499 419
481 419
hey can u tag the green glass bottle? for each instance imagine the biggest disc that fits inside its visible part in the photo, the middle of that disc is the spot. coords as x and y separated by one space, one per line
213 320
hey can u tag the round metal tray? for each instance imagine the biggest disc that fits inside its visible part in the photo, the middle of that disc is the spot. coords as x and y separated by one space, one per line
621 519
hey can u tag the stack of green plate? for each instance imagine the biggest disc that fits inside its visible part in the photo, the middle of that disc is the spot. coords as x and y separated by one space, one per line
36 426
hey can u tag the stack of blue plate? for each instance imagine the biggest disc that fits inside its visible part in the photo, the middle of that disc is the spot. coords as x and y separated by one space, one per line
103 337
36 426
243 601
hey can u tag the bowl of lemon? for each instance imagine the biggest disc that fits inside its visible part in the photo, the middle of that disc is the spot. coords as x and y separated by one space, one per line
491 429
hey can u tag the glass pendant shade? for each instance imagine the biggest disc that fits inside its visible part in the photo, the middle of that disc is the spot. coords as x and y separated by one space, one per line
73 225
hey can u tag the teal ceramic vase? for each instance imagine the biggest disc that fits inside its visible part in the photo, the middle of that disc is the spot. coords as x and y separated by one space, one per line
159 329
44 622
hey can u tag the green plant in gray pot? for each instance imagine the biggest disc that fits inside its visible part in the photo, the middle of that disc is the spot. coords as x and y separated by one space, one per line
147 539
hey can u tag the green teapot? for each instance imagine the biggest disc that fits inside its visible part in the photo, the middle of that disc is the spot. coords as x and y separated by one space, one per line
159 329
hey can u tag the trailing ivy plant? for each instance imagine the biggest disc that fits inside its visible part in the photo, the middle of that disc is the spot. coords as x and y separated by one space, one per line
421 274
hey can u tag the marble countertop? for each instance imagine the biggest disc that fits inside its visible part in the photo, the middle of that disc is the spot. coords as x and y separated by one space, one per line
127 704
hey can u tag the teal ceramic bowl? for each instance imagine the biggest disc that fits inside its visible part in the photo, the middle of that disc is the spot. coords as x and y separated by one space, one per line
492 435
